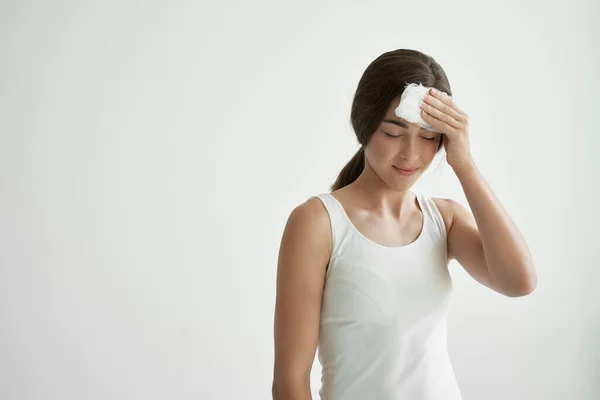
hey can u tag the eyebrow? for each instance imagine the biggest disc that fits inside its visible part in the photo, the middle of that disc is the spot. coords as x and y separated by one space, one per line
399 123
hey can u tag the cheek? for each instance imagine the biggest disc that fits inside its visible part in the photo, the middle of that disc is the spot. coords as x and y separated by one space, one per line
380 151
429 152
433 146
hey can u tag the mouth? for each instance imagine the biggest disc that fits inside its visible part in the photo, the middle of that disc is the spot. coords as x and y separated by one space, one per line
405 171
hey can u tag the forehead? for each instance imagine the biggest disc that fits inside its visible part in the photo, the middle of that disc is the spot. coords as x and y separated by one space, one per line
401 123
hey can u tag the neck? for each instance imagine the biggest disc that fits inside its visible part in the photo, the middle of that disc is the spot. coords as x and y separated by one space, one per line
376 195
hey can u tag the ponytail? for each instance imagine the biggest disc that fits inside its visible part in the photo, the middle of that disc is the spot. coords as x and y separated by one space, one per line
351 170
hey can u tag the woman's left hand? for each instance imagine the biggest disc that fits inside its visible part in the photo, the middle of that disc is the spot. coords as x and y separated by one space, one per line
439 111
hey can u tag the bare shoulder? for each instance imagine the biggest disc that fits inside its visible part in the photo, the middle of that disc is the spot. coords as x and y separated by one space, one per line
307 238
311 218
447 209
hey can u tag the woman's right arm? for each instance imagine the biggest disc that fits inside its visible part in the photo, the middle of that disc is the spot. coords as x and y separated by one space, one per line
303 256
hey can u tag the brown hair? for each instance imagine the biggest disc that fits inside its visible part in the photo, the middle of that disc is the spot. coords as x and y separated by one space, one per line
383 80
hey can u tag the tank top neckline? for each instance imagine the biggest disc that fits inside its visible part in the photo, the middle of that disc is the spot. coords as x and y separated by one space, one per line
371 242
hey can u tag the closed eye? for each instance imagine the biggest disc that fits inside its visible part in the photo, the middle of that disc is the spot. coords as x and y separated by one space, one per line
397 136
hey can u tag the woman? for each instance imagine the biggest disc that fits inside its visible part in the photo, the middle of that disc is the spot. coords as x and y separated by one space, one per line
362 271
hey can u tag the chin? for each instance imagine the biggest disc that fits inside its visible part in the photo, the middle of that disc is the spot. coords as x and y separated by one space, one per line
402 182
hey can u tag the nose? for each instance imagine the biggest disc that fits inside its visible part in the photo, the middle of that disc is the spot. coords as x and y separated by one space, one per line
409 149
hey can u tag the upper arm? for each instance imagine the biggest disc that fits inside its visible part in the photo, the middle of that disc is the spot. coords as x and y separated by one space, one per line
303 256
464 242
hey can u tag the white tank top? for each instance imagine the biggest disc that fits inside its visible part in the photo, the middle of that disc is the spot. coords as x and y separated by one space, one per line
383 317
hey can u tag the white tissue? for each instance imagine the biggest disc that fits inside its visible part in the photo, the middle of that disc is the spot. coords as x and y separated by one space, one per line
410 105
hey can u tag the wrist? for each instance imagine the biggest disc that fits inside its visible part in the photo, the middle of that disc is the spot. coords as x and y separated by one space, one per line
467 165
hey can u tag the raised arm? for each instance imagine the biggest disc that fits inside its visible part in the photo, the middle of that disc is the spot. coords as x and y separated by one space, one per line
303 257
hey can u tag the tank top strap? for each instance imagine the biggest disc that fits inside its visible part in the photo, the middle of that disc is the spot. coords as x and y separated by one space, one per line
337 217
432 214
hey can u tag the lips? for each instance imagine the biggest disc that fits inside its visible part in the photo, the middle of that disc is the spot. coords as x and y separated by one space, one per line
405 172
405 169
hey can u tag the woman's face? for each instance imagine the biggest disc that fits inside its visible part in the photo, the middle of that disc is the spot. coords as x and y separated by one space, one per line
399 143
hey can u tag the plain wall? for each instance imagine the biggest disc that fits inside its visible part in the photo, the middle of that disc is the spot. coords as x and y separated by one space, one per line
151 152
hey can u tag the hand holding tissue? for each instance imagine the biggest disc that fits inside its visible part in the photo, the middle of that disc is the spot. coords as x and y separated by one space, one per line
435 111
410 102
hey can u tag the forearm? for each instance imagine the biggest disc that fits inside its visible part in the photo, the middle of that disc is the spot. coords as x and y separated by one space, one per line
507 255
291 390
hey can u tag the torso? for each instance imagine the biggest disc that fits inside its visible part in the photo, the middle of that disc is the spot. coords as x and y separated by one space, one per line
386 294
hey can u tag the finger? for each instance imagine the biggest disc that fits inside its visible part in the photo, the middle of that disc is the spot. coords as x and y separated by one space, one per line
437 123
445 99
440 116
443 106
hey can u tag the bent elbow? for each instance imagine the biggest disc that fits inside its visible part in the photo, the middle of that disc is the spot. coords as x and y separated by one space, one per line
524 290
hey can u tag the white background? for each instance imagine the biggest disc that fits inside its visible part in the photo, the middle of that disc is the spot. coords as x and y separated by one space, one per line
151 152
